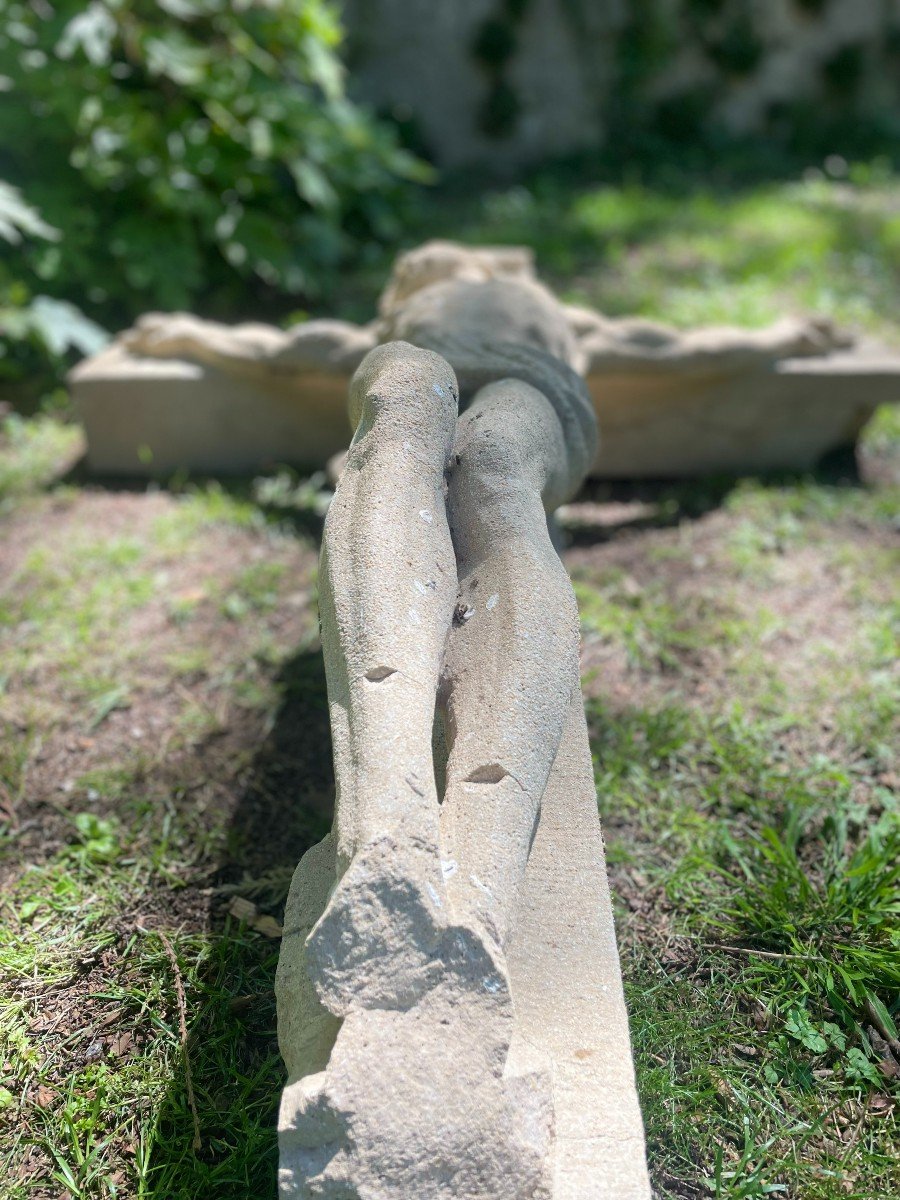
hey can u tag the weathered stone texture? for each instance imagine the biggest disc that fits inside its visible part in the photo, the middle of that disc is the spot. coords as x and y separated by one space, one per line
450 1004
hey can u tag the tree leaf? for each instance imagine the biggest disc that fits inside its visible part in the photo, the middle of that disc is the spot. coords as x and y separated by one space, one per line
92 32
62 327
18 219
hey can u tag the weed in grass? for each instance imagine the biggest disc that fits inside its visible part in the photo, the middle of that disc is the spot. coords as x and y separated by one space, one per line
255 590
195 662
653 631
119 1122
185 606
812 507
33 453
864 693
62 609
882 435
826 901
199 508
289 493
752 545
743 1059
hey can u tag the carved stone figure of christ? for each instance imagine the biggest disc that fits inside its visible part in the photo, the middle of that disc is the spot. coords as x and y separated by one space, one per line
419 980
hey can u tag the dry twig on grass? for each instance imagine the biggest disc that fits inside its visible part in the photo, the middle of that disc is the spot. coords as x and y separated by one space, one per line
182 1026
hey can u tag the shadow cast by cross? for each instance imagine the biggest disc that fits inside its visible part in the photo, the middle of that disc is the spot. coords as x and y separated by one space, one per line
284 807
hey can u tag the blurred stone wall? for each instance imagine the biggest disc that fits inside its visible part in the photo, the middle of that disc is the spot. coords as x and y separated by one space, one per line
504 83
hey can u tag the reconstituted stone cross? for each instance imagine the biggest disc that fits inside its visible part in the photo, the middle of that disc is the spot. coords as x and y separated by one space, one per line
450 1003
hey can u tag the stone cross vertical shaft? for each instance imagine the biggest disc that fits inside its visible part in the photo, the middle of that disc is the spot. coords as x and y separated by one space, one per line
450 1003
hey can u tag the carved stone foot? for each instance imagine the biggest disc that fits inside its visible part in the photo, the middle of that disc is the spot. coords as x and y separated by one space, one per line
377 944
415 1102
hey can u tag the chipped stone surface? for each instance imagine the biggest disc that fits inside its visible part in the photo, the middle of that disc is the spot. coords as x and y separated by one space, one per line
178 392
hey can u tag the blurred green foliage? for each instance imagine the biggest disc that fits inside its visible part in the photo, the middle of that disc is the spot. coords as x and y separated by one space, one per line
742 242
166 150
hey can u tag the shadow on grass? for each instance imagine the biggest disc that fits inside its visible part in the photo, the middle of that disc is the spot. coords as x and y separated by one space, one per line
605 509
236 1070
301 516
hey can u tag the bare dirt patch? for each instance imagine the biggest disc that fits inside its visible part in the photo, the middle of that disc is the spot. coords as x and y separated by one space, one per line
177 756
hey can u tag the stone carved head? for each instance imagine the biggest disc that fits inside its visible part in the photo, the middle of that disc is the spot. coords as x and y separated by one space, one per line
440 261
461 301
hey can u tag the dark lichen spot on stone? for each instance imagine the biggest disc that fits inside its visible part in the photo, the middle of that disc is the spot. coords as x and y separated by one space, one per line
490 773
463 613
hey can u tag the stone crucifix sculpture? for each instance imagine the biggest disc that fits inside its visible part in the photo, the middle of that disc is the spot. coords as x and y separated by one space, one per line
449 996
178 393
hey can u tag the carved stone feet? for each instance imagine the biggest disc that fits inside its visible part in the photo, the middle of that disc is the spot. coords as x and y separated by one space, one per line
416 1100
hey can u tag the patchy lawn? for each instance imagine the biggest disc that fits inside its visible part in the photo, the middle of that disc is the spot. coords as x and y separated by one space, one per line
164 754
722 246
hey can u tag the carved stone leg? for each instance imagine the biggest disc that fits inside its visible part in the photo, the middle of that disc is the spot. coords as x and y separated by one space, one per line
512 660
408 1096
387 587
519 819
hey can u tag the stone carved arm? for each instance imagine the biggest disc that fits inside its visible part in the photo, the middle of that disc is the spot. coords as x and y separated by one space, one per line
251 350
633 345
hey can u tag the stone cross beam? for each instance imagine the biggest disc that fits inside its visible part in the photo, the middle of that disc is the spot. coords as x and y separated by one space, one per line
179 393
450 1005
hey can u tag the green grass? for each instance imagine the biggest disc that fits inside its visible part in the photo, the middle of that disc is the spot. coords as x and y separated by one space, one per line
724 250
883 431
654 632
200 507
119 1122
163 748
134 849
748 1055
33 452
750 810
